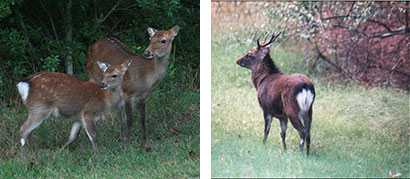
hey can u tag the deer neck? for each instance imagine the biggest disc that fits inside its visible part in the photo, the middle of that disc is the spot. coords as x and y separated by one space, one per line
264 70
112 97
161 65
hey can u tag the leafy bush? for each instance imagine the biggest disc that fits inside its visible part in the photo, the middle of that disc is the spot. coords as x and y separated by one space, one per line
48 35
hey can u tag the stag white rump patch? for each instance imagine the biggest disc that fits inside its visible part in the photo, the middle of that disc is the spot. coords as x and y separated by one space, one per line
23 88
305 99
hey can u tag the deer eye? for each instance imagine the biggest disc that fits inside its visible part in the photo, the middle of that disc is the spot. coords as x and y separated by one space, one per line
163 41
114 76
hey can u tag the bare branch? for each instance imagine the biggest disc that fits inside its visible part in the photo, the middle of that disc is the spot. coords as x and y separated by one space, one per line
109 13
52 22
382 24
324 58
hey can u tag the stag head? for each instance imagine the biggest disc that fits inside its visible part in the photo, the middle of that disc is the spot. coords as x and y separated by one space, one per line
258 53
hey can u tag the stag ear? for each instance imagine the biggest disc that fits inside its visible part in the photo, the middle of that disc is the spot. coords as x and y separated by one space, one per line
265 51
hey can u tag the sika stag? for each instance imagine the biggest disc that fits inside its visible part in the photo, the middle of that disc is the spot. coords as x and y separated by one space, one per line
280 95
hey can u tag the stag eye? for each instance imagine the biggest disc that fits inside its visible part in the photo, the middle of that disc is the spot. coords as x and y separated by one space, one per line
114 76
163 41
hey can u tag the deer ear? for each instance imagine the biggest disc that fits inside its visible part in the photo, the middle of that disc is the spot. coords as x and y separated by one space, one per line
125 65
103 66
265 51
175 30
151 31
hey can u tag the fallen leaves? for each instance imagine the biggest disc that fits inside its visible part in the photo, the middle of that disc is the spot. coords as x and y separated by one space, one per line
170 163
192 154
172 130
394 176
221 160
319 145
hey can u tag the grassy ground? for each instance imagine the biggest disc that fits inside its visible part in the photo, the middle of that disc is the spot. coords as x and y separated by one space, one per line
169 157
356 132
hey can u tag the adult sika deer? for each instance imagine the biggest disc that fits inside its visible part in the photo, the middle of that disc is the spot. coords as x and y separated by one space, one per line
280 95
59 94
143 76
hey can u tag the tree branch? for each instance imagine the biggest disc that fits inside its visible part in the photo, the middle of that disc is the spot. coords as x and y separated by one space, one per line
382 24
324 58
382 35
52 22
109 13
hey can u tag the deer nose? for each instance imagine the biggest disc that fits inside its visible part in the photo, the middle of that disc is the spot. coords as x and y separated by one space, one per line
102 85
146 53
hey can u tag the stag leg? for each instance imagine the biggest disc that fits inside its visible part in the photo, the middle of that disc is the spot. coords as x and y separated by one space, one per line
268 122
283 126
299 127
141 115
307 121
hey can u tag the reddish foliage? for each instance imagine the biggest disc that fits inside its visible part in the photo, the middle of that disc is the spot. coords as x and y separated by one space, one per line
374 53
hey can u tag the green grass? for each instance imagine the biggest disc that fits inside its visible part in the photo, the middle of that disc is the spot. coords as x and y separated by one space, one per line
356 132
169 157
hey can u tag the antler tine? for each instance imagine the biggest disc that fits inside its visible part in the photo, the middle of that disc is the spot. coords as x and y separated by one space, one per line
277 35
273 38
257 41
264 40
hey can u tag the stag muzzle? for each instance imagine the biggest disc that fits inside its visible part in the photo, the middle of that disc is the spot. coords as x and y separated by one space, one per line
239 62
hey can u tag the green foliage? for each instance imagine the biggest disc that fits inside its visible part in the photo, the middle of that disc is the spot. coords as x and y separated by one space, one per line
34 33
50 63
356 132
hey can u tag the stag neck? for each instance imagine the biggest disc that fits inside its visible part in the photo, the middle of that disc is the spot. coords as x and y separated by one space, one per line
263 70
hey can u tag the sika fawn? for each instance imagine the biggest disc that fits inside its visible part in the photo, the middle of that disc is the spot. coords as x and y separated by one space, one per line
144 75
59 94
280 95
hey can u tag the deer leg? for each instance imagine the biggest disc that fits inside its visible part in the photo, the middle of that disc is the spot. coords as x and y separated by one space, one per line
268 122
122 117
307 121
130 120
33 121
73 134
89 126
141 115
283 126
299 127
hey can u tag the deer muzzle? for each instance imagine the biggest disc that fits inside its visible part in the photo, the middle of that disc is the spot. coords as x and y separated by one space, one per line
148 54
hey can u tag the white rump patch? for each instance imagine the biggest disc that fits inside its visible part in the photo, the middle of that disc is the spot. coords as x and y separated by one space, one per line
23 88
304 99
22 142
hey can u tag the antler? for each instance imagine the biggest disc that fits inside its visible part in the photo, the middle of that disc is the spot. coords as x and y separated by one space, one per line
264 44
257 41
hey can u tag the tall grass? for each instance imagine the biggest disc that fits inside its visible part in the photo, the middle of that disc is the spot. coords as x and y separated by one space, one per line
356 131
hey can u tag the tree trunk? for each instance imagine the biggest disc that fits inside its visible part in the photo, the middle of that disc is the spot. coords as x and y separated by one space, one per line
69 37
